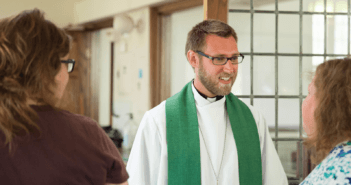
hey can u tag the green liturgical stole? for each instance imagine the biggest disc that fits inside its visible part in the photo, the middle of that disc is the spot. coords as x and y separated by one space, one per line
183 144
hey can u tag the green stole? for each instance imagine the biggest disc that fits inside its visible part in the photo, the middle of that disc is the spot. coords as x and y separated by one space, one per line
183 144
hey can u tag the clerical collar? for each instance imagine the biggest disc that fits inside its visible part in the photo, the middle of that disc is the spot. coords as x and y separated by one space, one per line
204 96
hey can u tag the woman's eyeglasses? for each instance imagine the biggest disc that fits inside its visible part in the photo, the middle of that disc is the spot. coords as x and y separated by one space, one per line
70 64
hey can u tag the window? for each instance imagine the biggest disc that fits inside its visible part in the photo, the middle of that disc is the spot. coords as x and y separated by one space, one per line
282 42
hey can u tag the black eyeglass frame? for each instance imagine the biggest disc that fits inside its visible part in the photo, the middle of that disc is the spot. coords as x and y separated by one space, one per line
69 61
213 58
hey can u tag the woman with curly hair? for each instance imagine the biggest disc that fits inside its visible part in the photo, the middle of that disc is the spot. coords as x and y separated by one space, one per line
39 143
326 115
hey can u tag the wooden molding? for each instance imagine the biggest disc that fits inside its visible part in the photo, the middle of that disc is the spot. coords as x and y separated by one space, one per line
92 26
154 58
170 8
216 9
165 37
79 96
112 46
96 25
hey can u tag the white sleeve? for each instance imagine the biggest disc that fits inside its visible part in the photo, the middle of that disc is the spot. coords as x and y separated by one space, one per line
144 160
272 168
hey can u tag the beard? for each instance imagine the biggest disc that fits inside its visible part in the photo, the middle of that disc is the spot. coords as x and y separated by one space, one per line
212 83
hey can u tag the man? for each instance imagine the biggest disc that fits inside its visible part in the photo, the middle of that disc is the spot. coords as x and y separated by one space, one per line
204 134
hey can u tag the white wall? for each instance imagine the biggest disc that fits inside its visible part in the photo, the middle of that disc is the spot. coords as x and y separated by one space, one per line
131 71
180 24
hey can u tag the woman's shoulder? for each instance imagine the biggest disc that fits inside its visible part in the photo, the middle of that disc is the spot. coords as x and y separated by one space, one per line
335 168
60 119
80 122
77 117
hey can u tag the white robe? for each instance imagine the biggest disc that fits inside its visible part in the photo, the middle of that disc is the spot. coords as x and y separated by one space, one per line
148 165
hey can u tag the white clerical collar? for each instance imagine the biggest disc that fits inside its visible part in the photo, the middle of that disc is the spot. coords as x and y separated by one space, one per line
201 101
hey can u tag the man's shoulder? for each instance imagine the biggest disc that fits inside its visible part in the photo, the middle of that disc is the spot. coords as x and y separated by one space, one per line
252 109
255 113
158 110
154 121
156 114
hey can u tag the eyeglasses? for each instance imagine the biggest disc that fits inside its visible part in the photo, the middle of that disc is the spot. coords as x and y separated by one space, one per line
70 64
223 60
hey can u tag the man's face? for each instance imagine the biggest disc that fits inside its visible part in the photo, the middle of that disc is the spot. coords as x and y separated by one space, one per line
217 79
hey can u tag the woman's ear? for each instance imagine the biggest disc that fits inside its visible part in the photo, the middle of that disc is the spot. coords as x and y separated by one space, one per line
193 59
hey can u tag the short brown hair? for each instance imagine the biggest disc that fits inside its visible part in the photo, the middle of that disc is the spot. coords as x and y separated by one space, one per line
333 109
197 36
30 52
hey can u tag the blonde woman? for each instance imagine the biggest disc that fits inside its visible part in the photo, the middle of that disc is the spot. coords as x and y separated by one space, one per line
41 144
326 115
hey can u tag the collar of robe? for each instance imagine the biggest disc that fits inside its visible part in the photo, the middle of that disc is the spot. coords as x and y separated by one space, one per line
183 144
218 97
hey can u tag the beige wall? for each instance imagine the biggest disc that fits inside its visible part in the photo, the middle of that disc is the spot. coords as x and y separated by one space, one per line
132 91
89 10
59 12
66 12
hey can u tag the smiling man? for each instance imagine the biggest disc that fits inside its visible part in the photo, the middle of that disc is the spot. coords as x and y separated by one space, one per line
204 134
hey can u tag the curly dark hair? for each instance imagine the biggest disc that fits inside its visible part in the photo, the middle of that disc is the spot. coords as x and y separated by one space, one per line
333 107
30 52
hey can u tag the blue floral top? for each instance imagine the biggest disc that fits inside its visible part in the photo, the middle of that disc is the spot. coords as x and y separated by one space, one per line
335 169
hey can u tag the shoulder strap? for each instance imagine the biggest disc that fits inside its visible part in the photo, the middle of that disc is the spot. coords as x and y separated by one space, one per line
247 141
183 144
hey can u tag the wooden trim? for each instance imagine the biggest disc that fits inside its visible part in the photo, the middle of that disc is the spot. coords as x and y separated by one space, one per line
101 24
159 65
94 83
165 61
307 164
170 8
216 9
83 66
78 97
92 26
155 77
111 85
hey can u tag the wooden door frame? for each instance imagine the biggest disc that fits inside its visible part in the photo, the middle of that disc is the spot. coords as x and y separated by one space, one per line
82 99
159 70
